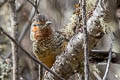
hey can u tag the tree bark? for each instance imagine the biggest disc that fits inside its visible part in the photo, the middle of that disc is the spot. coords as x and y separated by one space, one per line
70 59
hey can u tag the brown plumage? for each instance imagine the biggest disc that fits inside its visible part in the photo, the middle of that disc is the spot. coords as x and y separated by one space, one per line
47 44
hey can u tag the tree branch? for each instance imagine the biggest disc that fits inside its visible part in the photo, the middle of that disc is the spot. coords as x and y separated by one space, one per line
108 63
97 76
35 4
86 55
14 26
68 61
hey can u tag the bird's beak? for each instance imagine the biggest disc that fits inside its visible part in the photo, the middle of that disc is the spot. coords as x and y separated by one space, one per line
48 23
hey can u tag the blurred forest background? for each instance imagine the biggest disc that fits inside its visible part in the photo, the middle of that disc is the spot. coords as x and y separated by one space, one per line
59 12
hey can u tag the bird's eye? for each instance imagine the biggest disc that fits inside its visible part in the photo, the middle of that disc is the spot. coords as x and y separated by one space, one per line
37 24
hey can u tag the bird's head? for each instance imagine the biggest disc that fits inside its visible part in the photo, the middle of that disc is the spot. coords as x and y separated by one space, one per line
41 21
41 27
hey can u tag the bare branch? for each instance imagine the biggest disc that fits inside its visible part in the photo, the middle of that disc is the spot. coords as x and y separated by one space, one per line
14 26
31 3
40 72
97 76
86 55
35 4
108 63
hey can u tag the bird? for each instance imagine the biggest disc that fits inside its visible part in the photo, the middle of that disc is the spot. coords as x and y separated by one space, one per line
46 43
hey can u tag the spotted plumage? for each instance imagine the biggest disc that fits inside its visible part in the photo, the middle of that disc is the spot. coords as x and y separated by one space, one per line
47 44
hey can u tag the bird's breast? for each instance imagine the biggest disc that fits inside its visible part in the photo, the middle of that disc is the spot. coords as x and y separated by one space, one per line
42 34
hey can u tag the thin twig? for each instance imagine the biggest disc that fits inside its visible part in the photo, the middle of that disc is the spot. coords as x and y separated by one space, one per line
40 72
38 62
14 27
31 3
108 63
86 55
97 75
35 4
